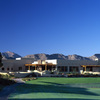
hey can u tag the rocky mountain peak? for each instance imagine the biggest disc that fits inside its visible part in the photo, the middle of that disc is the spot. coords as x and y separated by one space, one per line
10 55
95 57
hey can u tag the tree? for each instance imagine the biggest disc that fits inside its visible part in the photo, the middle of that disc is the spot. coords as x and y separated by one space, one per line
1 60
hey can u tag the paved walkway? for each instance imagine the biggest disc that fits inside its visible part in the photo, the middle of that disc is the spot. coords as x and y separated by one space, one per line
10 89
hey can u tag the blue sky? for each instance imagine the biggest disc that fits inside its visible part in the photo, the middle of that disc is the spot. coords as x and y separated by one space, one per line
50 26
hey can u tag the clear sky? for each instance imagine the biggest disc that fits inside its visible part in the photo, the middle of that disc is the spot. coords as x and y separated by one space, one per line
50 26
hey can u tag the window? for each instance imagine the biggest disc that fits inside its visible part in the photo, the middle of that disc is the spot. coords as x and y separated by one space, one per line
62 68
49 68
7 69
32 68
89 68
11 68
66 68
26 67
20 68
53 67
74 69
43 68
3 69
59 68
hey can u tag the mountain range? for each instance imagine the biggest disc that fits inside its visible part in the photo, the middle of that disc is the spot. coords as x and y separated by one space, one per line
42 56
9 55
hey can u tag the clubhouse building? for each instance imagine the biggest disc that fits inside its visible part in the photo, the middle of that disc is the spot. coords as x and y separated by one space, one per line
65 66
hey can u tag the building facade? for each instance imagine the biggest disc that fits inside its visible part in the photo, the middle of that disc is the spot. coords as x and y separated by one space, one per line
66 66
15 65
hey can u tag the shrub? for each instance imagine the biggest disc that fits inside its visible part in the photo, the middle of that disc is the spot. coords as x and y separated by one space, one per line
29 79
6 76
5 82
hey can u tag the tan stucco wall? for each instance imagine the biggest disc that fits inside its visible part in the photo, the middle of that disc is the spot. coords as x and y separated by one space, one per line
15 64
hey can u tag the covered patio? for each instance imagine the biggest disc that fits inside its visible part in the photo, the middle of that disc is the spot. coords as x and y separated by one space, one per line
93 68
40 67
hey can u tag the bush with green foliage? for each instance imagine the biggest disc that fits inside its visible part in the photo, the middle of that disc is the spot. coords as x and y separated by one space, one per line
6 82
1 60
29 78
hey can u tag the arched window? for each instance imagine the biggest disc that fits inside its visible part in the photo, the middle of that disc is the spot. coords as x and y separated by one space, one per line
7 68
3 69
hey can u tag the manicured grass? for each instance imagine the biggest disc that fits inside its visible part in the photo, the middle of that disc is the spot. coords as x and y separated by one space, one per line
59 89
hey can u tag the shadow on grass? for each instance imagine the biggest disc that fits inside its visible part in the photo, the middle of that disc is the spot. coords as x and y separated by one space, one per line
79 85
52 88
30 88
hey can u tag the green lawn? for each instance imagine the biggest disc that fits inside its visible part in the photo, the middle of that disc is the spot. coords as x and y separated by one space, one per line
59 89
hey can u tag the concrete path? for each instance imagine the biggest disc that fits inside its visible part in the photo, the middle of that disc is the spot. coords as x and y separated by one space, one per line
10 89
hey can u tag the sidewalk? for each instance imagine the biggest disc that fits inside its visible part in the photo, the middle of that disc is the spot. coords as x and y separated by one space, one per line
10 89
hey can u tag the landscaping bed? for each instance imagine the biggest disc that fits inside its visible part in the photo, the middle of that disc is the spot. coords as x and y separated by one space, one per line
29 78
5 81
